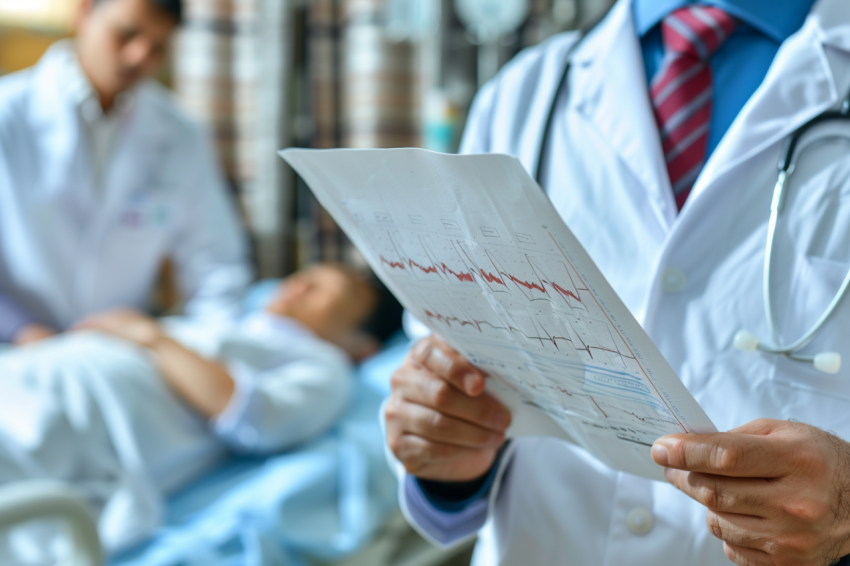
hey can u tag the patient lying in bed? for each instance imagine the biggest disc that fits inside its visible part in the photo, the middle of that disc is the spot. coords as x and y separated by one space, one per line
128 409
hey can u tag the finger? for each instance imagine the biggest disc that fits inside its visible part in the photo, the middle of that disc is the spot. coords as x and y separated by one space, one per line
745 496
423 388
743 556
437 356
439 427
441 462
725 454
739 530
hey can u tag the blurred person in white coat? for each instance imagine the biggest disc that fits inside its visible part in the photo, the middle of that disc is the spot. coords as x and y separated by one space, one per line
670 192
102 177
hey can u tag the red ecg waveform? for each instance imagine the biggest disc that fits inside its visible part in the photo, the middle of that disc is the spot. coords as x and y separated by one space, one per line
490 278
563 291
393 264
460 275
525 284
449 319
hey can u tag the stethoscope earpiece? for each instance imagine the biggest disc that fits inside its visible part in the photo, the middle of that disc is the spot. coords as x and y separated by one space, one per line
827 362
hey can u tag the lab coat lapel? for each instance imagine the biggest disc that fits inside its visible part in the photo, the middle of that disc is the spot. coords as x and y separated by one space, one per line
607 83
132 167
59 134
799 86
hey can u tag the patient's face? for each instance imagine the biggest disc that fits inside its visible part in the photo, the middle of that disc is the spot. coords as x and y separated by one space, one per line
326 299
120 42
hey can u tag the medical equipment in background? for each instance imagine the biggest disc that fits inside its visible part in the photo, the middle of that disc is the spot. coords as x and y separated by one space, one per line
22 502
487 21
827 362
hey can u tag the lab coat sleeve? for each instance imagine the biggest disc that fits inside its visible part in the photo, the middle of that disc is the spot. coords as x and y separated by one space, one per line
274 409
12 318
211 252
447 528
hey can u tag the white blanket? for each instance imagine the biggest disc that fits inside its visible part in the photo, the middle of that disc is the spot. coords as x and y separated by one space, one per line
93 411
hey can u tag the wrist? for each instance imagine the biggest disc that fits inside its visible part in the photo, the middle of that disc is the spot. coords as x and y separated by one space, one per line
32 332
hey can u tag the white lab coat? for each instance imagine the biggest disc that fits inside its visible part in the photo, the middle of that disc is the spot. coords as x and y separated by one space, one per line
94 411
692 279
69 248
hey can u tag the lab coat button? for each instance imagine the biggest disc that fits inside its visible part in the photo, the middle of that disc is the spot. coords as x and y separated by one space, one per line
673 280
639 521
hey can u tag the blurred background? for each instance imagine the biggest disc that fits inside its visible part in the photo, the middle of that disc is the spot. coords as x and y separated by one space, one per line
267 74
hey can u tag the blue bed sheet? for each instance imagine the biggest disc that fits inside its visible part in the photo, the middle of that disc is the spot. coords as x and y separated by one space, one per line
324 499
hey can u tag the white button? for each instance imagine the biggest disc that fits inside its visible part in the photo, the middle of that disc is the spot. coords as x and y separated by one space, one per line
639 521
673 280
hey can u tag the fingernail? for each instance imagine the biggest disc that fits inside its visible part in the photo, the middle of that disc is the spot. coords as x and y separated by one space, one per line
669 474
471 383
659 454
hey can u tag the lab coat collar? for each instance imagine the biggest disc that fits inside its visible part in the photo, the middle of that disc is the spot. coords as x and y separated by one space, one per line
61 84
759 14
799 85
608 89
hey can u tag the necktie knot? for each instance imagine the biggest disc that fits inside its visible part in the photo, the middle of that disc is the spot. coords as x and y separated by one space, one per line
697 31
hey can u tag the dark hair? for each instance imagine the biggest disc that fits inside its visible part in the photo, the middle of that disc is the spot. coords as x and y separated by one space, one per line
174 8
385 320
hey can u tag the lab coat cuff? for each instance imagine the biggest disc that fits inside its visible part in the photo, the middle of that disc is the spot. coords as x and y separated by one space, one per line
444 527
234 425
455 506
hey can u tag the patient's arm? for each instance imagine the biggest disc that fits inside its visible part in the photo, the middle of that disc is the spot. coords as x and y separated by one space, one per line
204 385
18 326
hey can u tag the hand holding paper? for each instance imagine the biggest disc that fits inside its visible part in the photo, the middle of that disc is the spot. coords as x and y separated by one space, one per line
473 248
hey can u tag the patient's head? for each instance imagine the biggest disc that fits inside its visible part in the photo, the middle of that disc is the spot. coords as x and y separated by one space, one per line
330 299
120 42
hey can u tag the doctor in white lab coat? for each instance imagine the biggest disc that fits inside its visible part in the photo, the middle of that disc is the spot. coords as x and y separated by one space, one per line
102 178
776 492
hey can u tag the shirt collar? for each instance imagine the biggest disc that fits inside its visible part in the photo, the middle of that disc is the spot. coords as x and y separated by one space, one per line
762 15
80 90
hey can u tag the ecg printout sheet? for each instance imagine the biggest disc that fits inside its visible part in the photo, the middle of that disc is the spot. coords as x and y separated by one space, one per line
474 249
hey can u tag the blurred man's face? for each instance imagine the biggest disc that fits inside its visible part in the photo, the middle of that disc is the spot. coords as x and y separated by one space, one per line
325 299
120 42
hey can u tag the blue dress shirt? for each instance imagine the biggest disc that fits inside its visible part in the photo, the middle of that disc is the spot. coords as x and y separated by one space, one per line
739 66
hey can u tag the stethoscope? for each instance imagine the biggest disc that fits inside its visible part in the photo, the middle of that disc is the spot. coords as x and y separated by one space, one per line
827 362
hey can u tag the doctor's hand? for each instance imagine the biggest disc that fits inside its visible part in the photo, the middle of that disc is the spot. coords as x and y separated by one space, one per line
126 324
33 333
440 423
777 492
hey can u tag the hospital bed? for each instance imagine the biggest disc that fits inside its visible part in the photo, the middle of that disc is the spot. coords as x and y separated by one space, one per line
330 502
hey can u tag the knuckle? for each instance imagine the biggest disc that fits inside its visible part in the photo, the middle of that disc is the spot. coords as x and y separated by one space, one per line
725 458
805 510
395 444
442 394
798 544
399 378
714 527
711 495
440 424
422 350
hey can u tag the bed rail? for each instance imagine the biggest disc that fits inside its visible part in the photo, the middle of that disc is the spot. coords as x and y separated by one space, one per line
28 500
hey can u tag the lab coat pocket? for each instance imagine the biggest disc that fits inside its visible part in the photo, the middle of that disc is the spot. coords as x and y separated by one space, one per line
816 282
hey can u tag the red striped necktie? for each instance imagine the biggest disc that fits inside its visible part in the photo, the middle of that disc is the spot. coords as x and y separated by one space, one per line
681 90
